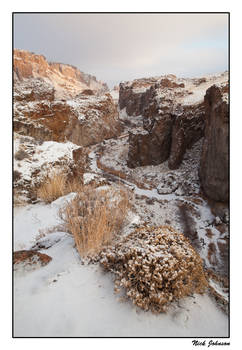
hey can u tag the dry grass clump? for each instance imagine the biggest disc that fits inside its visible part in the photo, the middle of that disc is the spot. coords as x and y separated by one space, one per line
94 217
52 188
57 185
155 265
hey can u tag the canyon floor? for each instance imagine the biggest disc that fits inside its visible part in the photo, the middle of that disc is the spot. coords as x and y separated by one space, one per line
69 297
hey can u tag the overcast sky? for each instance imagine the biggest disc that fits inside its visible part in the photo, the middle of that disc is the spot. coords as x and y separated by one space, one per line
116 47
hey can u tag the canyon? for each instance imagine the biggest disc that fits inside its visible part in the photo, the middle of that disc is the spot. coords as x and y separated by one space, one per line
163 139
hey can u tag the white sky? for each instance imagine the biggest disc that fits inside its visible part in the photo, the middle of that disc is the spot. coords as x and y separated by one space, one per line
117 47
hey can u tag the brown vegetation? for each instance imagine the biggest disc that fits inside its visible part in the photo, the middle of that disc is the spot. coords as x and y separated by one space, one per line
57 185
155 265
93 217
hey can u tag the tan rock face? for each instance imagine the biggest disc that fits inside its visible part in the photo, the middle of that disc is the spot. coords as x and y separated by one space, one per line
33 89
93 120
67 80
214 168
86 119
57 102
27 64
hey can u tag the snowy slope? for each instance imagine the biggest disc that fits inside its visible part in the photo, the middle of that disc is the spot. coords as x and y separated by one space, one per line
67 298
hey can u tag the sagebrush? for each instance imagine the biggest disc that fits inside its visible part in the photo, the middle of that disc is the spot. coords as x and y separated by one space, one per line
155 265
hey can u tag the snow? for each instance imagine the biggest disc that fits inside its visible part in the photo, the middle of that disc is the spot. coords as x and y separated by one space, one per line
218 289
28 220
115 95
198 92
45 154
67 298
88 177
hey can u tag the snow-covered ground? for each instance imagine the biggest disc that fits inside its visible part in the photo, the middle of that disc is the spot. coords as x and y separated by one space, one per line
68 298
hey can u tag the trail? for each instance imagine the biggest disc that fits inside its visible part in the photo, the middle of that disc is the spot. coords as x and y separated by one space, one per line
137 190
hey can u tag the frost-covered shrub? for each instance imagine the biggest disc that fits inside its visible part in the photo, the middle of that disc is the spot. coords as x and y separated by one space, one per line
155 265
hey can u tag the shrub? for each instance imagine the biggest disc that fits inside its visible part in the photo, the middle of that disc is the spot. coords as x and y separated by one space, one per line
94 217
155 265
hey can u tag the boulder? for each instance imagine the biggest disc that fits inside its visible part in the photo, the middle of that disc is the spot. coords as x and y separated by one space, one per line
30 259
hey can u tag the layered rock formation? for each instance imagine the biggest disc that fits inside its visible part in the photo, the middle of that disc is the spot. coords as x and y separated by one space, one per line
173 117
58 102
214 168
53 105
67 80
85 120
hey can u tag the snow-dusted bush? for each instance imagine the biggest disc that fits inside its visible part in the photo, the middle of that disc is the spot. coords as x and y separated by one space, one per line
155 265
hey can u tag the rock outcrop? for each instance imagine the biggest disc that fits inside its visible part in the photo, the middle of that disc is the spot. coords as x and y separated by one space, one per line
93 119
30 259
85 120
35 161
67 80
173 117
214 167
187 129
152 147
57 109
132 98
135 96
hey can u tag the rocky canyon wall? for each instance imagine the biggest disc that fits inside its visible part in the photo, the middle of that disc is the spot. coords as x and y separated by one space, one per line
214 167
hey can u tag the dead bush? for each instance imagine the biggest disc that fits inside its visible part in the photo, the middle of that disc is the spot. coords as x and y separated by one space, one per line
155 265
94 217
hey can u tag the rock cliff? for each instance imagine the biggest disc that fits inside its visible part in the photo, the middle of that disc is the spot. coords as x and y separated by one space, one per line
214 167
84 120
57 102
67 80
173 116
